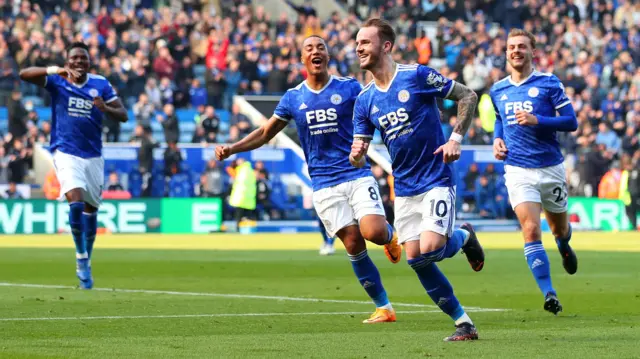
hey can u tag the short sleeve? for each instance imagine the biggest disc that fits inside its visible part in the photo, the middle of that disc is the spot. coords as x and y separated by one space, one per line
109 93
283 110
434 83
498 130
558 97
51 82
362 126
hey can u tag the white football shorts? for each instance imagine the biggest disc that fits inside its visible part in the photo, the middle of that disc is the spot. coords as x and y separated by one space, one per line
547 185
85 173
345 204
434 211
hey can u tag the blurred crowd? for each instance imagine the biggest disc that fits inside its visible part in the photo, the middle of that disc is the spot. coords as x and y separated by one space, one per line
167 55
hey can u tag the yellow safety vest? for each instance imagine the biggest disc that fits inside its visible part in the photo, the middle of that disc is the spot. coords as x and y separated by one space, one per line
243 193
487 113
623 193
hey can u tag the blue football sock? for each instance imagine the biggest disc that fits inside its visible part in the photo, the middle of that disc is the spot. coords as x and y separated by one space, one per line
450 248
539 264
369 277
563 243
77 228
90 229
437 286
389 233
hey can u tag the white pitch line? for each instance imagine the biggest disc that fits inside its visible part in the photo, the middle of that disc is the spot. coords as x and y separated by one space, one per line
237 296
217 315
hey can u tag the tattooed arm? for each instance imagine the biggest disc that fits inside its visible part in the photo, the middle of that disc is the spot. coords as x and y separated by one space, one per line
467 101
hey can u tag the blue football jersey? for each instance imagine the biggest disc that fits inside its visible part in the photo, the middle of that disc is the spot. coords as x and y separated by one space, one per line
76 125
323 120
540 94
407 116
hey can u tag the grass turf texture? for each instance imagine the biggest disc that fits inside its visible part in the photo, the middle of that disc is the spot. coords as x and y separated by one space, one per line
601 301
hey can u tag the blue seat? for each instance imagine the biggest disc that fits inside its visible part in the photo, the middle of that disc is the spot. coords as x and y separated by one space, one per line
135 183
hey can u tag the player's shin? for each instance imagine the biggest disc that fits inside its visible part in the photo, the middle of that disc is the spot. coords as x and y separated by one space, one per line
90 230
439 289
369 278
77 228
437 247
539 265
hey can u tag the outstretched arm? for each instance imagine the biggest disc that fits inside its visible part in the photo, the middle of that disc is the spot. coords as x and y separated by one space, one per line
255 139
38 75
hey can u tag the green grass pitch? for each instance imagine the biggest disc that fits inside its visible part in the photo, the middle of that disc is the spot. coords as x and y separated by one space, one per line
273 296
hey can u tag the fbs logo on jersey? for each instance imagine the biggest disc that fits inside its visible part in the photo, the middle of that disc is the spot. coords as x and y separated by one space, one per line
321 115
79 107
391 119
510 108
513 107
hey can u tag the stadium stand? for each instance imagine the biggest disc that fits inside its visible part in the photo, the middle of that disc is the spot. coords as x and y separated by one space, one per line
196 54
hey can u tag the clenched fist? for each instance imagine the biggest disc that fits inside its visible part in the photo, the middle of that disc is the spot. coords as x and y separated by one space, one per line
358 150
499 149
223 152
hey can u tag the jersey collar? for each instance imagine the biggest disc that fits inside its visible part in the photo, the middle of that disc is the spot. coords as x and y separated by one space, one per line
317 92
390 82
516 84
82 84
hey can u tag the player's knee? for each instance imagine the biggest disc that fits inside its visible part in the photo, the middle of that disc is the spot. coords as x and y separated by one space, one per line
531 231
560 231
375 234
352 240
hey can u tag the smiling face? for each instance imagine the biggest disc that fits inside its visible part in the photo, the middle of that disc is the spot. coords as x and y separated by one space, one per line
315 55
374 41
78 59
369 47
519 52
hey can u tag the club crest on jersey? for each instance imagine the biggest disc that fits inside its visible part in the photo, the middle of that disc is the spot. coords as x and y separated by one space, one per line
336 99
403 96
437 81
533 92
93 93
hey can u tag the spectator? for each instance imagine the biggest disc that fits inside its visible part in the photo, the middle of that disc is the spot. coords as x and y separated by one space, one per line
263 199
485 198
12 192
17 115
169 122
197 94
215 86
4 164
114 182
172 160
17 161
471 177
608 138
164 65
214 180
240 120
630 141
143 110
211 124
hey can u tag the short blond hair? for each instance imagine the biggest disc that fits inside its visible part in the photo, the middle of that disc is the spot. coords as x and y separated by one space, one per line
521 32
